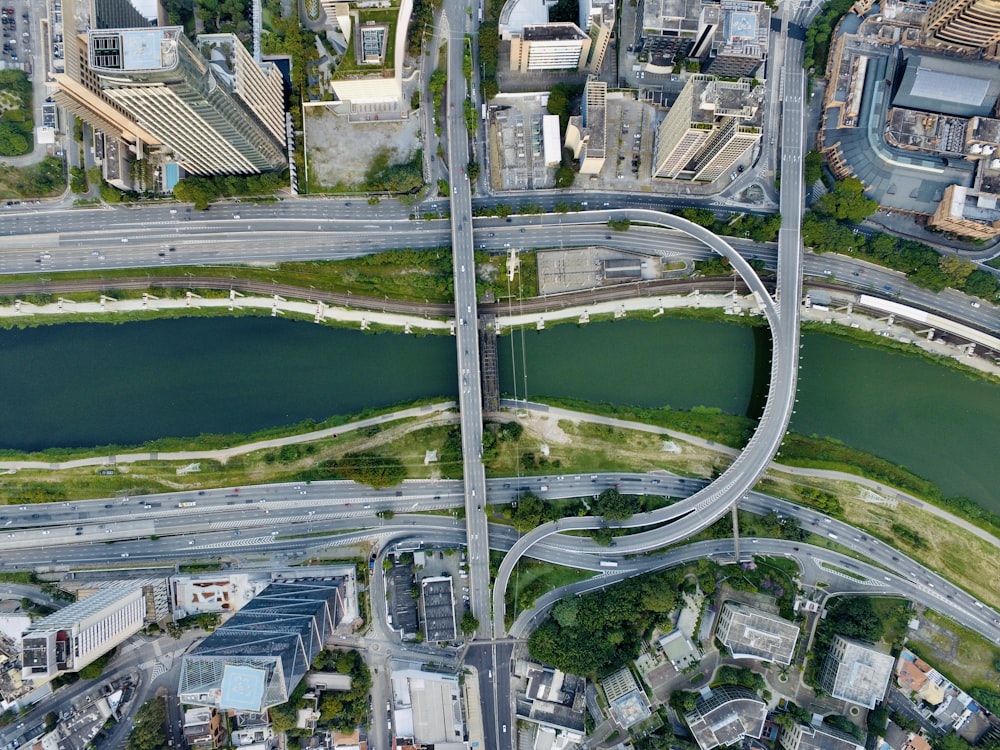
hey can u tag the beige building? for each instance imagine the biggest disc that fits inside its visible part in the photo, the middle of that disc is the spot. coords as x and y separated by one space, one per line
586 134
968 213
218 115
710 126
549 46
72 638
964 26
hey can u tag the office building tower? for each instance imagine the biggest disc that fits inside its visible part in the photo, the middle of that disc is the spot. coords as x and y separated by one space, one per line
73 637
258 657
856 672
964 26
586 134
217 111
710 126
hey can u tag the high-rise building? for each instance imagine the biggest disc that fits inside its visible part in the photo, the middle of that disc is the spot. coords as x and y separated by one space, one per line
597 18
965 26
258 657
586 134
549 46
73 637
710 126
119 138
751 633
216 110
856 672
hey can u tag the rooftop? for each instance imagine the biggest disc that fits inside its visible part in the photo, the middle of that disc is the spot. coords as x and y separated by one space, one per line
947 85
749 632
439 609
134 50
553 32
862 672
726 715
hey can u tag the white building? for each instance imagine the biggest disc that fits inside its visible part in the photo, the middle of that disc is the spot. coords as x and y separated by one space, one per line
856 672
427 707
70 639
750 633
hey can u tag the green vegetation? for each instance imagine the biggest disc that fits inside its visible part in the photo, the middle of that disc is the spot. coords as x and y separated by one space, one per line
150 730
730 675
421 25
819 35
813 167
386 174
16 125
469 623
864 618
619 225
367 468
561 102
96 668
41 180
78 180
846 202
922 264
962 655
203 190
344 711
593 634
287 36
489 52
758 228
705 422
615 506
532 579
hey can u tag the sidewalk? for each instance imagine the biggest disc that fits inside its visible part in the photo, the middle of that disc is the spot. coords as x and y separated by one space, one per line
224 454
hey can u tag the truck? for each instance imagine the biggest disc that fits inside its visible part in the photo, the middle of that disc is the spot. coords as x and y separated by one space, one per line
832 535
188 504
608 564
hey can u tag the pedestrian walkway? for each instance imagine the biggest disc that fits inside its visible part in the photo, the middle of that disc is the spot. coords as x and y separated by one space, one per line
224 454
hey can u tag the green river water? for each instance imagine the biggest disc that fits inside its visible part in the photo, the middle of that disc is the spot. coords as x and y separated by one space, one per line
95 384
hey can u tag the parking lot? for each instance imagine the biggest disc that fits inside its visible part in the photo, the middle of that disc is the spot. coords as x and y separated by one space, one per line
17 36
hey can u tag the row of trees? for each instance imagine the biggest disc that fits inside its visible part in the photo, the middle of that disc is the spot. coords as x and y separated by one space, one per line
820 33
203 190
759 228
922 264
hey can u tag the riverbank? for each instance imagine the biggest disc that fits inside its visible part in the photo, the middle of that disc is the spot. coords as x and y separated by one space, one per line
107 309
735 308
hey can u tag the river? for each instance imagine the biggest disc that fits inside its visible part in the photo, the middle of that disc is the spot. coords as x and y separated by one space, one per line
95 384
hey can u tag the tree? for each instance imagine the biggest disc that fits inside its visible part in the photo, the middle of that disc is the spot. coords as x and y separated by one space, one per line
77 180
957 269
615 506
150 731
813 167
847 202
529 512
473 170
565 175
469 623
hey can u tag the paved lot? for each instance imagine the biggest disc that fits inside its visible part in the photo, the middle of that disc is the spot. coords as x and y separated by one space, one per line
340 151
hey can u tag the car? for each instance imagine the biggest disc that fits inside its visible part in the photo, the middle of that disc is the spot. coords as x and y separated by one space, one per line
124 554
974 304
732 176
46 531
504 727
162 254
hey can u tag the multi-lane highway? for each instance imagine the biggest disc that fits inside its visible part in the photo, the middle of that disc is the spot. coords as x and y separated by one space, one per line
467 316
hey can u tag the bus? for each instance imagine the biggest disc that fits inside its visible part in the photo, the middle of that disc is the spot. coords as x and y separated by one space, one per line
608 564
189 504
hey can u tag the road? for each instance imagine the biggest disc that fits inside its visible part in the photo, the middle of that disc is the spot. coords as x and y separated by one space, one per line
467 316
